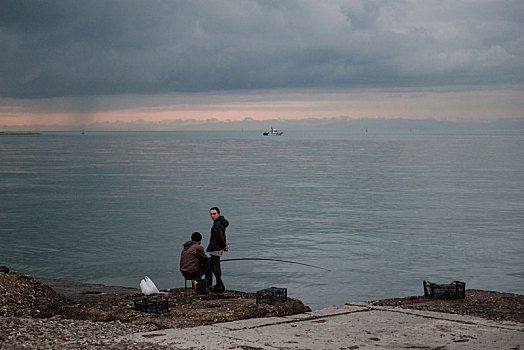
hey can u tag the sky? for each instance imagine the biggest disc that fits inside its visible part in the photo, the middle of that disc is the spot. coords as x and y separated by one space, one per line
79 62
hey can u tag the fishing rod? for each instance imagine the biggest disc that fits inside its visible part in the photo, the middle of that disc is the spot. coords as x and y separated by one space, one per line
268 259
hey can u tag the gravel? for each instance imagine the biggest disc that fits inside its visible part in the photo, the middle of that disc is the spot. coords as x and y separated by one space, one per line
34 315
490 305
69 315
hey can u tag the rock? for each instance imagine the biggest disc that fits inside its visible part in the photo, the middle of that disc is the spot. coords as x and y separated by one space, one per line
22 295
491 305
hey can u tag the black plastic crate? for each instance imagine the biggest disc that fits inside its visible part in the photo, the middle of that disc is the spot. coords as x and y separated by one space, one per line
454 290
270 295
152 307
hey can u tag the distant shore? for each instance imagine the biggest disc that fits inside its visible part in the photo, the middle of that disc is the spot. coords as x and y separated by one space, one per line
10 133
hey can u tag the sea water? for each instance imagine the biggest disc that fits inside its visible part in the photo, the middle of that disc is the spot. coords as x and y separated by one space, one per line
378 213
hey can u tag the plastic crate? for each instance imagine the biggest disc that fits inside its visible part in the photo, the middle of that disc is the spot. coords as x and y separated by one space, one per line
153 307
270 295
454 290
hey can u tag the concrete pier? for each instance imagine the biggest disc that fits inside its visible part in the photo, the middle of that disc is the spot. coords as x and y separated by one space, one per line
350 326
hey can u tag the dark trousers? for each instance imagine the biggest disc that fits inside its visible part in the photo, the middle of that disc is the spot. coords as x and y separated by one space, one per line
205 269
217 271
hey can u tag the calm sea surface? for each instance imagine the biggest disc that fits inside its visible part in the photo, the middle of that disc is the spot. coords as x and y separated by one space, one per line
381 212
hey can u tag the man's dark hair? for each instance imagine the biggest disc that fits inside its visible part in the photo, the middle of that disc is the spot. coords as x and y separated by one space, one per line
215 208
196 237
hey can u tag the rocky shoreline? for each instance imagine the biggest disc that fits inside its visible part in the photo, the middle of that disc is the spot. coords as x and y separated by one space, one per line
53 314
68 315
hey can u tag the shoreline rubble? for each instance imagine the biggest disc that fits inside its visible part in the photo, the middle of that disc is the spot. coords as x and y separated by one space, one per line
55 314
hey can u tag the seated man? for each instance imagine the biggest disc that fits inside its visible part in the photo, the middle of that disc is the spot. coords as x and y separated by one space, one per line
193 261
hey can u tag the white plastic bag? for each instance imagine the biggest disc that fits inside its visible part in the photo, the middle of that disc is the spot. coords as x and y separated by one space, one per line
151 285
148 286
145 288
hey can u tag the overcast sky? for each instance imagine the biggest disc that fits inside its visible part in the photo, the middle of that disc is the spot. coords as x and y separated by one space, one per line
83 61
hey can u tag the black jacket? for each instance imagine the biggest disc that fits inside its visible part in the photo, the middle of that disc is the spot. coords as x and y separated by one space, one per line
218 235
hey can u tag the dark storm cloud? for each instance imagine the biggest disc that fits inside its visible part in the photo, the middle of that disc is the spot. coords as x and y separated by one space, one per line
81 48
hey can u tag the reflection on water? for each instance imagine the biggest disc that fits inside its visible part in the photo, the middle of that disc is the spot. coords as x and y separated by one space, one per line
381 213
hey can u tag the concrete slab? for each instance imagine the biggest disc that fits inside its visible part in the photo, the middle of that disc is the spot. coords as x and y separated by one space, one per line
269 321
329 311
335 310
453 317
347 328
252 323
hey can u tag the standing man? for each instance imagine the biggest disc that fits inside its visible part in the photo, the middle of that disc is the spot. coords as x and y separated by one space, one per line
217 246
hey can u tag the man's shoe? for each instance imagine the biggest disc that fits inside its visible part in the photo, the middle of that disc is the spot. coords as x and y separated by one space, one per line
218 289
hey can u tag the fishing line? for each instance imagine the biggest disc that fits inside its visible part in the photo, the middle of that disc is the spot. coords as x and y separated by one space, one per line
286 261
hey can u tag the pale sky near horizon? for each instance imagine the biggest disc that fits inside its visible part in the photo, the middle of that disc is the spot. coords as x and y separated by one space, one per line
75 63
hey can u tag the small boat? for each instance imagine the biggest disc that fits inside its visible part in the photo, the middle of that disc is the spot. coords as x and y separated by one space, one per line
273 132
